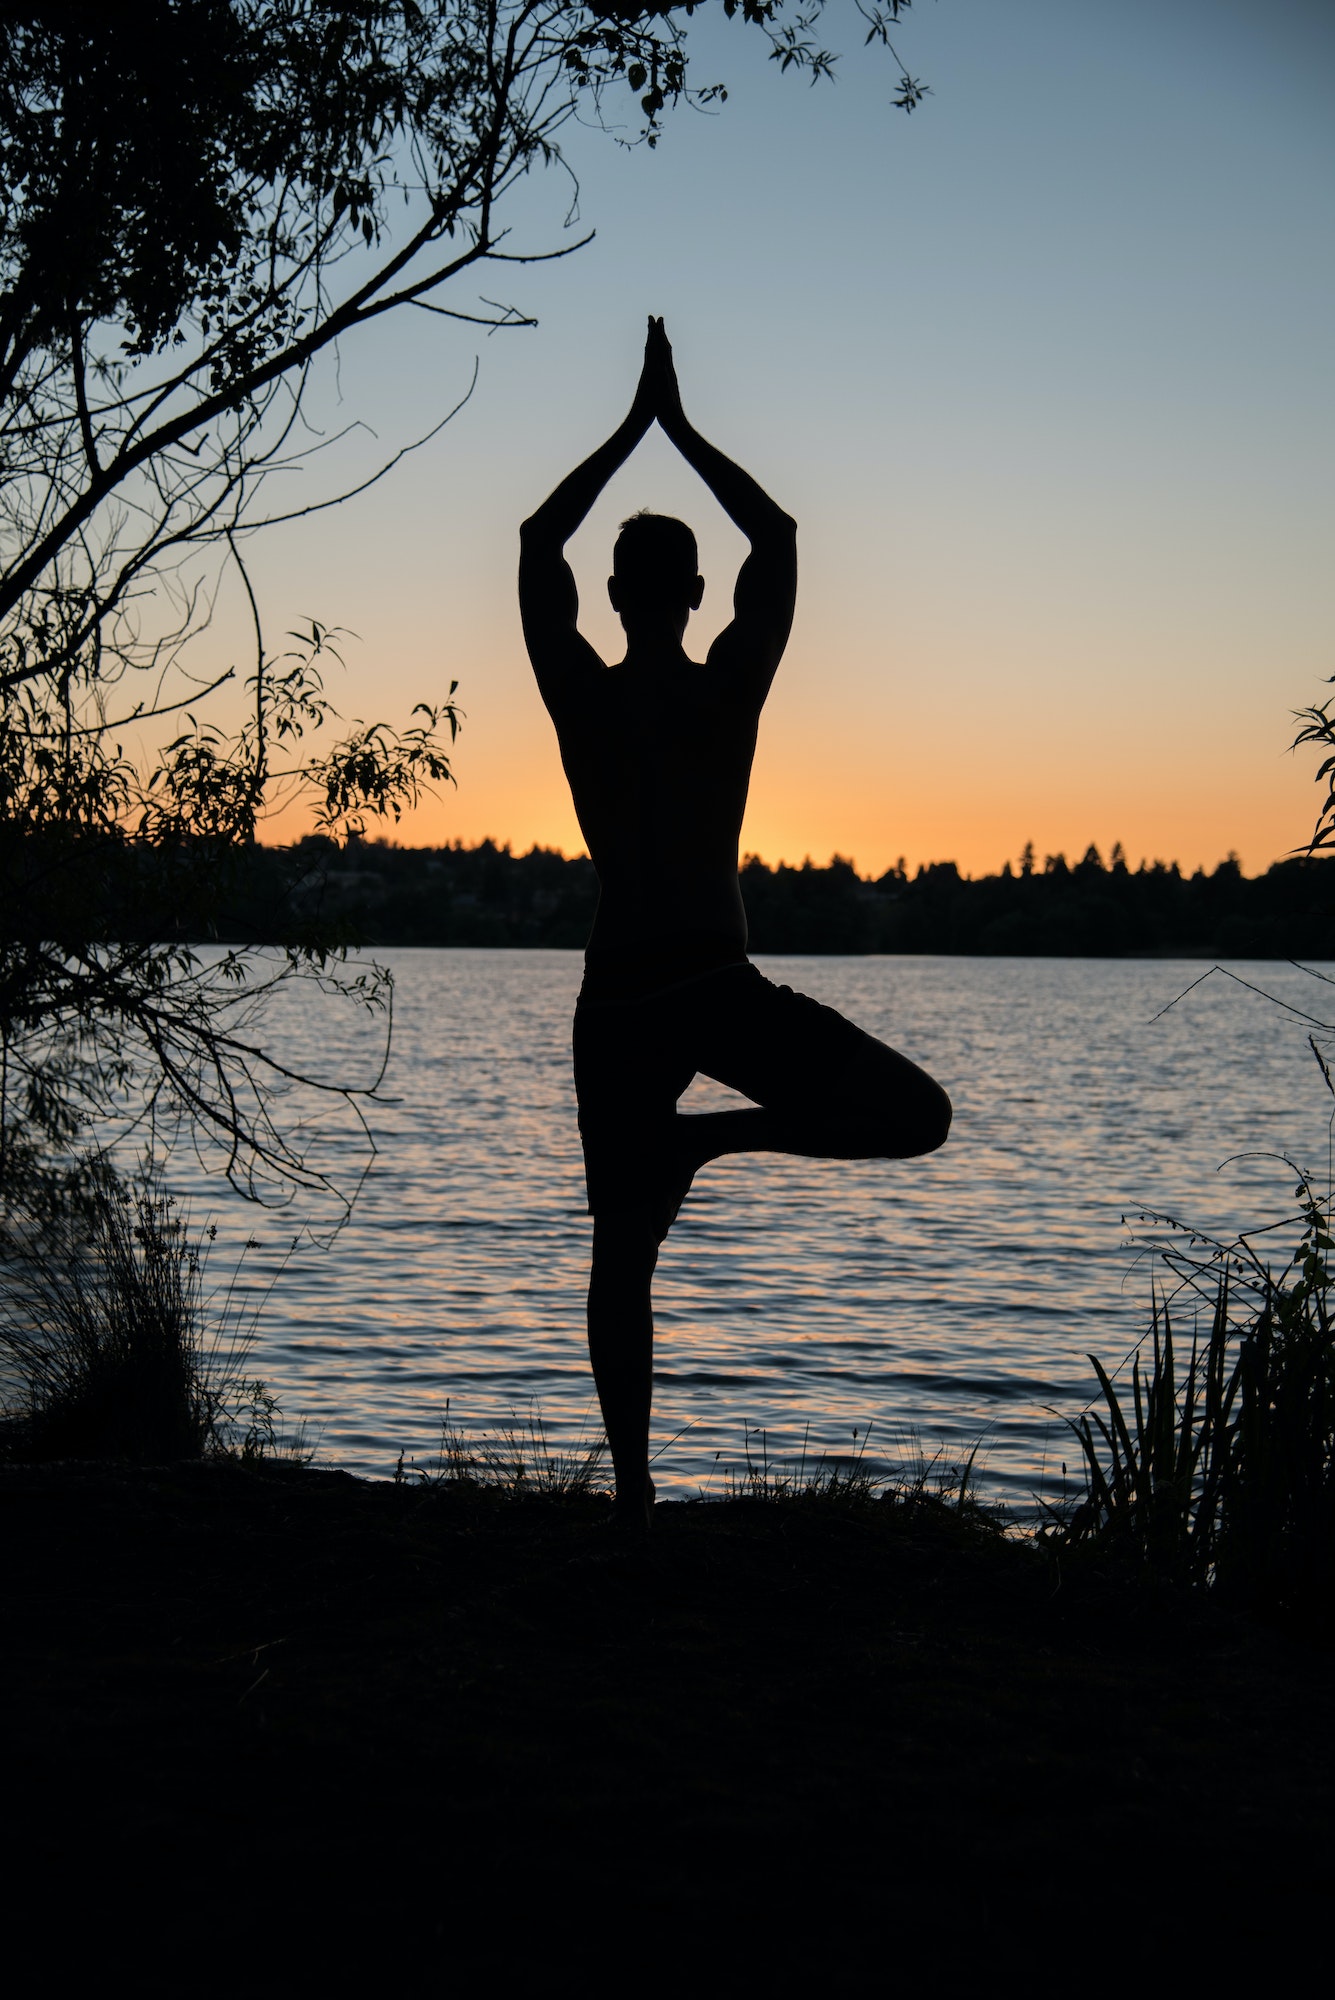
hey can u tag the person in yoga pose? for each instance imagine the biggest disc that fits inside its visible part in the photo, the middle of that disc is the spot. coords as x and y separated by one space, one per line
658 752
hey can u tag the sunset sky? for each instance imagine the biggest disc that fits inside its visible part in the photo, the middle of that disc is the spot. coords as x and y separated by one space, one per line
1045 372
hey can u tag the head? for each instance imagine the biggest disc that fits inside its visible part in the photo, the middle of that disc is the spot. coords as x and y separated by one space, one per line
655 585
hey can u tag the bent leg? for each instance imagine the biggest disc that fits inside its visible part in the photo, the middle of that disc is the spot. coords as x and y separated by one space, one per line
901 1125
823 1088
621 1348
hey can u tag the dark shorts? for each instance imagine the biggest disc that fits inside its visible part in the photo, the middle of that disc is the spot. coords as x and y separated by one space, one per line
843 1093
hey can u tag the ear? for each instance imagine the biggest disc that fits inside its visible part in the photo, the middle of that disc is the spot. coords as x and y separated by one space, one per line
697 592
614 593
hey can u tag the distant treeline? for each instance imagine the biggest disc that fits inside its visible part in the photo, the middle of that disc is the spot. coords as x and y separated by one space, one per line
485 895
376 894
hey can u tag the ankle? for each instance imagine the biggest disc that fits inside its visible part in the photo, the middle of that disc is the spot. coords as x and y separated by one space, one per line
634 1502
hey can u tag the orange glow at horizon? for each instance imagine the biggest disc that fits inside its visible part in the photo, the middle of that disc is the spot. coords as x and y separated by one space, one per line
858 797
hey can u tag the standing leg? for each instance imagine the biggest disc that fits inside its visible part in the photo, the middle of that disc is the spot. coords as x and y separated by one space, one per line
621 1349
628 1079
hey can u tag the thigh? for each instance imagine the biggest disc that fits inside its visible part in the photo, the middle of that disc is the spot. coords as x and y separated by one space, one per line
793 1054
628 1063
629 1073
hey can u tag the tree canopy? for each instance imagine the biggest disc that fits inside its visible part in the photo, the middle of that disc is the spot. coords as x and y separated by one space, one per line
198 198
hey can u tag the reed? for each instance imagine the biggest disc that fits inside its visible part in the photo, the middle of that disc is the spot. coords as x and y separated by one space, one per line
1220 1472
111 1348
839 1477
852 1478
519 1459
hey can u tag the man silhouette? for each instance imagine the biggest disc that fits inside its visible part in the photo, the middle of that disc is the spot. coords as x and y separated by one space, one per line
658 752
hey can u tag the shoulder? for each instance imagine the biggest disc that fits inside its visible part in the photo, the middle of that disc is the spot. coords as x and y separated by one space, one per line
573 679
742 664
565 663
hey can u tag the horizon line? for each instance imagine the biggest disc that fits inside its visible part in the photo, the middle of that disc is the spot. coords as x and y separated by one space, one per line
1016 866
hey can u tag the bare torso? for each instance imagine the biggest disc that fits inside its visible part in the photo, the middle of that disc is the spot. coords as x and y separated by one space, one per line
659 762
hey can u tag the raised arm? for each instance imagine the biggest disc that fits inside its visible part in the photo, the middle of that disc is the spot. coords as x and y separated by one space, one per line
766 591
548 599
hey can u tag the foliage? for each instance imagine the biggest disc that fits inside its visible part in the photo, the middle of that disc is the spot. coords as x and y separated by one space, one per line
485 894
198 200
1317 725
108 1341
109 1011
195 204
1221 1473
1090 907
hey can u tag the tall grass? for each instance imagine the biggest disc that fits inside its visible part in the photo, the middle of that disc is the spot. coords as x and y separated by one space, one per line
1219 1468
518 1459
847 1477
853 1478
111 1348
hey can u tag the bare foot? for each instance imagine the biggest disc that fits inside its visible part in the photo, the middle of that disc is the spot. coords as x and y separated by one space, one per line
635 1516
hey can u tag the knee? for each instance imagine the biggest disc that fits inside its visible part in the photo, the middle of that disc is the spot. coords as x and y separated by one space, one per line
913 1122
625 1245
922 1123
936 1116
908 1108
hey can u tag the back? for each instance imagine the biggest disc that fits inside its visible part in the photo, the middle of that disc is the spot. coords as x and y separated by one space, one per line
659 763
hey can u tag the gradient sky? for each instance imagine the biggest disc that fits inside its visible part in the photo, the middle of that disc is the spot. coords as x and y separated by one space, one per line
1045 372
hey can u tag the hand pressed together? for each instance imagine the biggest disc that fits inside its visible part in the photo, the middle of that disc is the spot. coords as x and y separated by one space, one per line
657 395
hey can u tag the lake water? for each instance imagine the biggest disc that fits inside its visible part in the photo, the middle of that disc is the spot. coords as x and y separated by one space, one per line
954 1297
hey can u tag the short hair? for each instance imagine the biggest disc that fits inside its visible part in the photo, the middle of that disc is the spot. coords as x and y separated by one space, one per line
655 550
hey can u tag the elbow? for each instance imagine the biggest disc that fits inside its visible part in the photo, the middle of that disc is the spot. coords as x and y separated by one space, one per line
774 530
540 535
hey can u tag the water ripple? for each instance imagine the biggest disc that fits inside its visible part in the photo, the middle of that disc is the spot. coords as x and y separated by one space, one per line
948 1297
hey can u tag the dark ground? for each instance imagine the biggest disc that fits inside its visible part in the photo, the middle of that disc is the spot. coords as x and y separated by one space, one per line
270 1725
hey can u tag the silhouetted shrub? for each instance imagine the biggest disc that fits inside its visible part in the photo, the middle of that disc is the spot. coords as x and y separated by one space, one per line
1221 1473
371 893
107 1343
